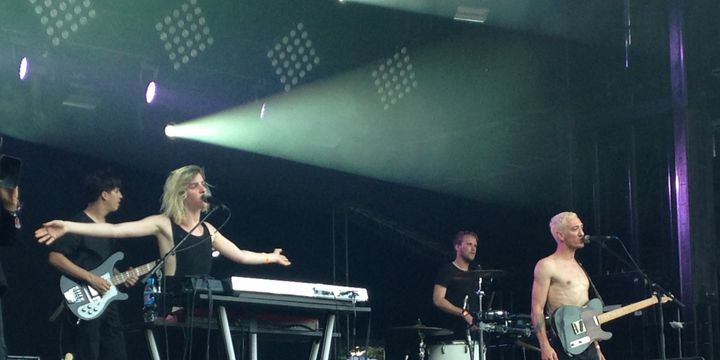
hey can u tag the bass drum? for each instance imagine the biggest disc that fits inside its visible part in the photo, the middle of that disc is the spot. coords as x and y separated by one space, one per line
456 350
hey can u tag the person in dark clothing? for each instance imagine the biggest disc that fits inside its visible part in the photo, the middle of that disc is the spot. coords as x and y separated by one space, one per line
183 201
451 288
76 256
9 235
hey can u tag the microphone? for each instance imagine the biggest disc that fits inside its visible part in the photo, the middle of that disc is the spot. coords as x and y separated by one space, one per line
213 201
587 239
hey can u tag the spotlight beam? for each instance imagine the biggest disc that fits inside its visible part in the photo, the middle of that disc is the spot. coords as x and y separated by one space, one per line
452 134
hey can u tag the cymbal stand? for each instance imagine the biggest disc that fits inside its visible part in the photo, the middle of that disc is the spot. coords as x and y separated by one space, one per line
421 346
480 325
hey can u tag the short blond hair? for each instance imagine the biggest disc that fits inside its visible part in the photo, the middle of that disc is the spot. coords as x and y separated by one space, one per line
559 221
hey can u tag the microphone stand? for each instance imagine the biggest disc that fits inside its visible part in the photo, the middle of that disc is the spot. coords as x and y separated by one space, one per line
161 262
480 324
659 292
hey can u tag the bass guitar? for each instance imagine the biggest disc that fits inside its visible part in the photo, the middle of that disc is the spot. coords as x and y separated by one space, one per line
86 302
577 327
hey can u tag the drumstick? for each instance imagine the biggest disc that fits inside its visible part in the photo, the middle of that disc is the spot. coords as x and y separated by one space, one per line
526 345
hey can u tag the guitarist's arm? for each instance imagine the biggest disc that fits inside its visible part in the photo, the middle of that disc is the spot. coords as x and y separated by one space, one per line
67 267
540 291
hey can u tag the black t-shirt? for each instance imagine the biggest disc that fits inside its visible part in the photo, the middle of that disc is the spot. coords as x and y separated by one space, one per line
88 252
9 234
457 287
194 256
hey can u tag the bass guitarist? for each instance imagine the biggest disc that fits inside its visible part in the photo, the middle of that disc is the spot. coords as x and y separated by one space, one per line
75 255
560 280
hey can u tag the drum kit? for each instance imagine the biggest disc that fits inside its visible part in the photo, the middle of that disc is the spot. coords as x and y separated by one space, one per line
499 324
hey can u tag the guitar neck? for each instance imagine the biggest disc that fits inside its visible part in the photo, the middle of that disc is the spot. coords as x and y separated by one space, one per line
617 313
138 271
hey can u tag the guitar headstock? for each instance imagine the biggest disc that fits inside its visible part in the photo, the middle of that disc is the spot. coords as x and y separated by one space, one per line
665 298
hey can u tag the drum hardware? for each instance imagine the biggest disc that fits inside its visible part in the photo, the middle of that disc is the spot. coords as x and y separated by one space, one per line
454 350
476 274
421 331
492 315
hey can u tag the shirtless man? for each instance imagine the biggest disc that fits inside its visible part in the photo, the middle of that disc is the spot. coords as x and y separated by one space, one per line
559 280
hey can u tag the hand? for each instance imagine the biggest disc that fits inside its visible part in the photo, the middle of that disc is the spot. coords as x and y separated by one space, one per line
279 258
50 232
547 353
468 318
99 284
132 279
10 198
600 354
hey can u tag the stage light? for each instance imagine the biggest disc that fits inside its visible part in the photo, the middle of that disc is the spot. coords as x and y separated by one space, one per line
394 78
170 130
263 108
471 13
24 68
150 92
63 18
293 57
184 33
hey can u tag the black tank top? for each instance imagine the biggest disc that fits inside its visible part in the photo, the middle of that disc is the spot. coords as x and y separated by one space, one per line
194 256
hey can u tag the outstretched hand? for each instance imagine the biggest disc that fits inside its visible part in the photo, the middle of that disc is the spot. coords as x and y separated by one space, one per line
279 258
50 231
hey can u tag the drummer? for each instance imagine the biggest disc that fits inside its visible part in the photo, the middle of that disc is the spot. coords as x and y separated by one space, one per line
451 287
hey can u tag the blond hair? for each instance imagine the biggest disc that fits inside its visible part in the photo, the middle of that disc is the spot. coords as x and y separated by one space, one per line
559 221
175 191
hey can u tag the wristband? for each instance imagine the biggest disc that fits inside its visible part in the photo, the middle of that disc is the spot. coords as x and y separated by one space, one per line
464 312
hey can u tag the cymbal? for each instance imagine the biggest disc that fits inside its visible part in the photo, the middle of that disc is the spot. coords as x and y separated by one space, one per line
420 330
485 274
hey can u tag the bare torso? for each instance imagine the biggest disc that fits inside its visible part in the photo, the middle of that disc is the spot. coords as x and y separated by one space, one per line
568 283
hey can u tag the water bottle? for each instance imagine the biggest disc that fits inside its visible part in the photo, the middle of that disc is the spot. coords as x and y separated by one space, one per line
149 305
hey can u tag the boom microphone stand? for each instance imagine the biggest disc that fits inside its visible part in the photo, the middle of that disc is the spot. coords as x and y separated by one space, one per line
659 292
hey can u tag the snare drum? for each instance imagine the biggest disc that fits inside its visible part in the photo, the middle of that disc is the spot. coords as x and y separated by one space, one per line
456 350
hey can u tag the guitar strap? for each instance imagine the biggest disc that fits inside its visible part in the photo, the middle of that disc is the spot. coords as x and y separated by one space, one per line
592 284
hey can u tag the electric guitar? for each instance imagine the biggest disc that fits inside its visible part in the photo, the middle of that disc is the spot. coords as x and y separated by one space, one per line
577 327
86 302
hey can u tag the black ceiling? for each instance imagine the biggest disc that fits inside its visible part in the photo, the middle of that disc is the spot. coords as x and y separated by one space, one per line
511 142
